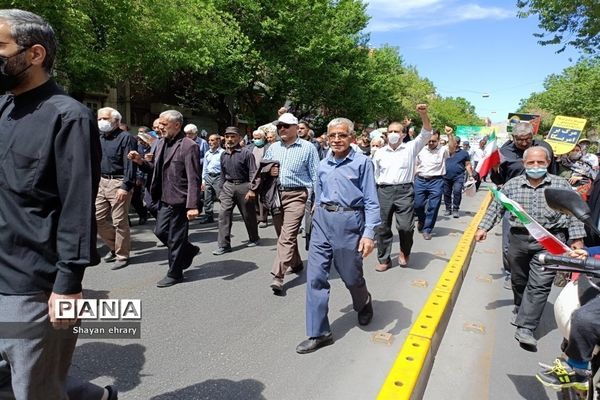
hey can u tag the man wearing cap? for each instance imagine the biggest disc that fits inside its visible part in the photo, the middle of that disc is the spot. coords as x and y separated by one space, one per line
237 169
297 173
394 173
117 179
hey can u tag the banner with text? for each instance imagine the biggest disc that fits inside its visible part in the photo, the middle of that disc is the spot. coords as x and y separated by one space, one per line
565 133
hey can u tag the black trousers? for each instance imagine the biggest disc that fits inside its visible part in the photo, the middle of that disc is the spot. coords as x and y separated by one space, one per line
172 230
232 195
530 284
395 201
585 331
137 201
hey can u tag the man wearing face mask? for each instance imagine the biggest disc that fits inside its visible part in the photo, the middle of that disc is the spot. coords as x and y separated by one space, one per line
50 168
394 174
117 180
258 148
587 157
530 283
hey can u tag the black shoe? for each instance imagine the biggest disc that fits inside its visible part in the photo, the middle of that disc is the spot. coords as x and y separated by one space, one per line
366 314
419 227
207 219
525 337
120 264
314 343
110 257
113 393
221 250
194 253
168 281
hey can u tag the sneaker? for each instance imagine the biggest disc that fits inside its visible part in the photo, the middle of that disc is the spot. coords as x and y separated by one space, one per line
221 250
110 257
447 213
253 244
120 264
561 376
507 283
263 225
455 214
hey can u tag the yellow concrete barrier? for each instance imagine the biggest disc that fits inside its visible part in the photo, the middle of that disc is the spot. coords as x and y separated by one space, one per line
408 377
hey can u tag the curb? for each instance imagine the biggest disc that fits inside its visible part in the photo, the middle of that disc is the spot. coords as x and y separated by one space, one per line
409 375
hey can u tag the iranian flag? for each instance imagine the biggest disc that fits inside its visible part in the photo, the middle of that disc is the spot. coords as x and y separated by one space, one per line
539 233
491 156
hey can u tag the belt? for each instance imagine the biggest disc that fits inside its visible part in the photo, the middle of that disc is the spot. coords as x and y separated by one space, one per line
337 207
236 181
429 178
214 174
291 188
106 176
384 185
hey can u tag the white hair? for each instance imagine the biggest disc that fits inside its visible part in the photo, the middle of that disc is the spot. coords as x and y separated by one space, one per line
342 121
536 148
191 128
378 141
172 115
260 132
114 114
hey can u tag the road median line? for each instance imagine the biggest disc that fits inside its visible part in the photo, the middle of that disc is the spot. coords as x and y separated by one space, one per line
408 376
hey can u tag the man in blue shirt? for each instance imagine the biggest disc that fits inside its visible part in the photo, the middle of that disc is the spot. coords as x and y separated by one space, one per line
454 180
191 131
298 160
345 217
211 177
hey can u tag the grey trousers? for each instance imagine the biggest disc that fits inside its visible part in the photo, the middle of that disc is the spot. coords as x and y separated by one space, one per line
211 192
37 366
395 201
531 286
233 195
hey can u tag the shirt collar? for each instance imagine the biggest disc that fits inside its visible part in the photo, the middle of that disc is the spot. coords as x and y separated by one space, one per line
349 156
44 90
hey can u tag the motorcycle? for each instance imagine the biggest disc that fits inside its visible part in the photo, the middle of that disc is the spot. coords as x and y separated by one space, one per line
577 292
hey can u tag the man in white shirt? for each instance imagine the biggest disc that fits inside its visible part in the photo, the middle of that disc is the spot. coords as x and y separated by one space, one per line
394 174
429 183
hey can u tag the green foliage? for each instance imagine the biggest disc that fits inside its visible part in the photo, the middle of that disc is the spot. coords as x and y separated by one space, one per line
567 22
241 58
574 92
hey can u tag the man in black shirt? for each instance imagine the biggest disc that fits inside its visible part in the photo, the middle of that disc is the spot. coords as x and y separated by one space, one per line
49 173
116 187
237 170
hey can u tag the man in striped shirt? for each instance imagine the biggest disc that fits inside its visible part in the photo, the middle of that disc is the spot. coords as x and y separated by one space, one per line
298 160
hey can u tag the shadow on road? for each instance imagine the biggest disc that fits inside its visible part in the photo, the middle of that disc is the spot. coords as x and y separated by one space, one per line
226 269
218 389
500 303
384 313
529 387
122 363
419 260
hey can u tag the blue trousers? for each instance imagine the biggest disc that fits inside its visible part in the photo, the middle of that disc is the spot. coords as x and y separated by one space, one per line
428 197
453 192
334 239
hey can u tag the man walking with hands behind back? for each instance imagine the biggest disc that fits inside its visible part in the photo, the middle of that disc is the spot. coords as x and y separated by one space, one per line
346 214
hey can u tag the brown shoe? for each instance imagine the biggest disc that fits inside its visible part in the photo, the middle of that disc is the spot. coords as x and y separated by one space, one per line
403 260
383 267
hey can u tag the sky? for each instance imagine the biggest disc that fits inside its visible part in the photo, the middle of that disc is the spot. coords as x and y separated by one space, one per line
469 49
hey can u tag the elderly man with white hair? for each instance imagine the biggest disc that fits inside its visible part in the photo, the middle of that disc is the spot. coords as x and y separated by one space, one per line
117 180
191 131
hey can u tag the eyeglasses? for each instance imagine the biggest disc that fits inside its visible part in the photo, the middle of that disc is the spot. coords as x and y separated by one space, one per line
280 126
338 135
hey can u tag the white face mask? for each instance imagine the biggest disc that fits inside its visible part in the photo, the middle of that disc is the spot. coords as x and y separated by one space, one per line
105 126
393 138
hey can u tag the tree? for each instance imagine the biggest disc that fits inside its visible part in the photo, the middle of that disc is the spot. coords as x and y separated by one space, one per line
567 22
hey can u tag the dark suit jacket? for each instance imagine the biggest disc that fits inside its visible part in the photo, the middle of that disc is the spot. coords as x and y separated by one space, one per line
594 202
180 178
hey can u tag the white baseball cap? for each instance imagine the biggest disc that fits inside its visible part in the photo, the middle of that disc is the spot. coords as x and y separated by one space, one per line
287 118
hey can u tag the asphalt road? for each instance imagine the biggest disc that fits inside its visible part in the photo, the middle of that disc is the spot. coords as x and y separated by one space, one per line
222 334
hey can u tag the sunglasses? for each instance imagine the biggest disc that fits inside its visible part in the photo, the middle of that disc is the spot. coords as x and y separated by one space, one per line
285 126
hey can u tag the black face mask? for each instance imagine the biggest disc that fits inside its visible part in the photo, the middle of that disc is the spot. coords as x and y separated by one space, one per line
8 80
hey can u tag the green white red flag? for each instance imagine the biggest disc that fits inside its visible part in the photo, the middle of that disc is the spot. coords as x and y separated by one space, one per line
491 156
539 233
